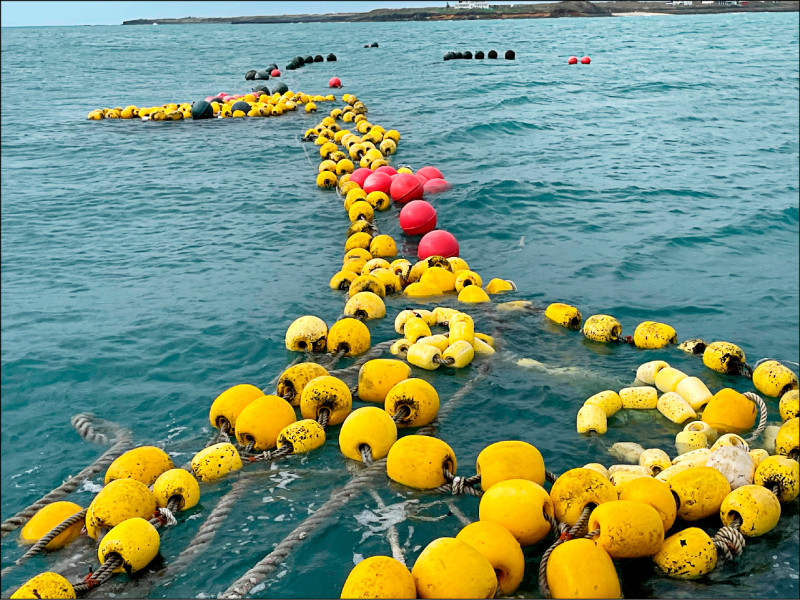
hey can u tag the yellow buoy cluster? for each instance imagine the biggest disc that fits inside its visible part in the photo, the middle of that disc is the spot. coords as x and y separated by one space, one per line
246 105
598 514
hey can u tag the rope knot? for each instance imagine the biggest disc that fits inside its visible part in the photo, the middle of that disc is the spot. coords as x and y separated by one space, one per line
457 485
89 581
167 518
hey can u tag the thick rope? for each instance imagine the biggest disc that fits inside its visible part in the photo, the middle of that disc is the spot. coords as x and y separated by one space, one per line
267 456
223 435
366 454
402 413
729 541
99 577
205 534
462 518
565 533
323 416
391 532
550 476
459 485
335 502
274 559
83 423
762 410
335 358
49 537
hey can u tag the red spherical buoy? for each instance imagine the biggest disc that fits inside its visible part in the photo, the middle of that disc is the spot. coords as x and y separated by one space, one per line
405 187
334 82
391 171
572 60
430 173
586 60
360 175
377 182
437 242
435 186
275 73
417 218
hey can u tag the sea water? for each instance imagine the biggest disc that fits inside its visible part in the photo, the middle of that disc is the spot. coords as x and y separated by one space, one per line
147 267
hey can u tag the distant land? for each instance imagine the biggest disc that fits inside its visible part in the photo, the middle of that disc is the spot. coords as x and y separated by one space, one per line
503 11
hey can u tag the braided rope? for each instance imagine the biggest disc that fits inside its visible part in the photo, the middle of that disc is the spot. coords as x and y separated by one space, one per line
762 410
205 534
49 537
391 532
99 577
462 518
401 414
322 417
459 485
223 433
550 476
729 542
84 423
366 454
267 456
335 358
565 533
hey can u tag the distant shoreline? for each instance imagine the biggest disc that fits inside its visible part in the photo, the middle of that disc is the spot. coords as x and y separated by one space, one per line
568 8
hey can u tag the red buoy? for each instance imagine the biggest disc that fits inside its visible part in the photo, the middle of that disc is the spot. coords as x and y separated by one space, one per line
430 173
334 82
360 175
572 60
437 242
405 187
417 218
435 186
275 73
421 178
586 60
377 182
391 171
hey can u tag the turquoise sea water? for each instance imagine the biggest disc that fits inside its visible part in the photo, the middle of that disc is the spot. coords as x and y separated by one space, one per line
147 267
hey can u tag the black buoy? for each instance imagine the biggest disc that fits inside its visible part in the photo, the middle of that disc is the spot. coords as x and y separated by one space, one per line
467 54
290 67
459 55
366 45
281 88
271 67
240 105
374 45
218 100
250 75
202 110
262 75
492 54
331 57
318 58
510 55
261 88
479 54
308 59
449 56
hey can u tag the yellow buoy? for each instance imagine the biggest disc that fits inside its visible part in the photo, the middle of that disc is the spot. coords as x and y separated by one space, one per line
757 507
688 554
602 328
650 334
564 314
370 426
458 354
46 518
342 280
383 246
176 483
119 500
730 412
789 406
668 378
360 210
262 420
675 408
419 398
450 568
592 419
415 328
45 585
787 442
365 305
498 286
501 549
577 488
216 461
654 493
655 459
227 406
378 376
694 391
144 464
781 472
326 393
608 400
350 336
379 577
417 461
646 373
307 334
640 397
699 492
135 540
304 435
438 277
391 282
627 529
295 378
518 505
582 569
424 356
473 295
723 357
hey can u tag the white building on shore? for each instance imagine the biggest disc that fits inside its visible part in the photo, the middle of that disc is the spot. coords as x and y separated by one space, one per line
470 4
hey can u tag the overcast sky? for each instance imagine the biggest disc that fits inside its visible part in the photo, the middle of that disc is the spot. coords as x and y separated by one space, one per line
23 13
